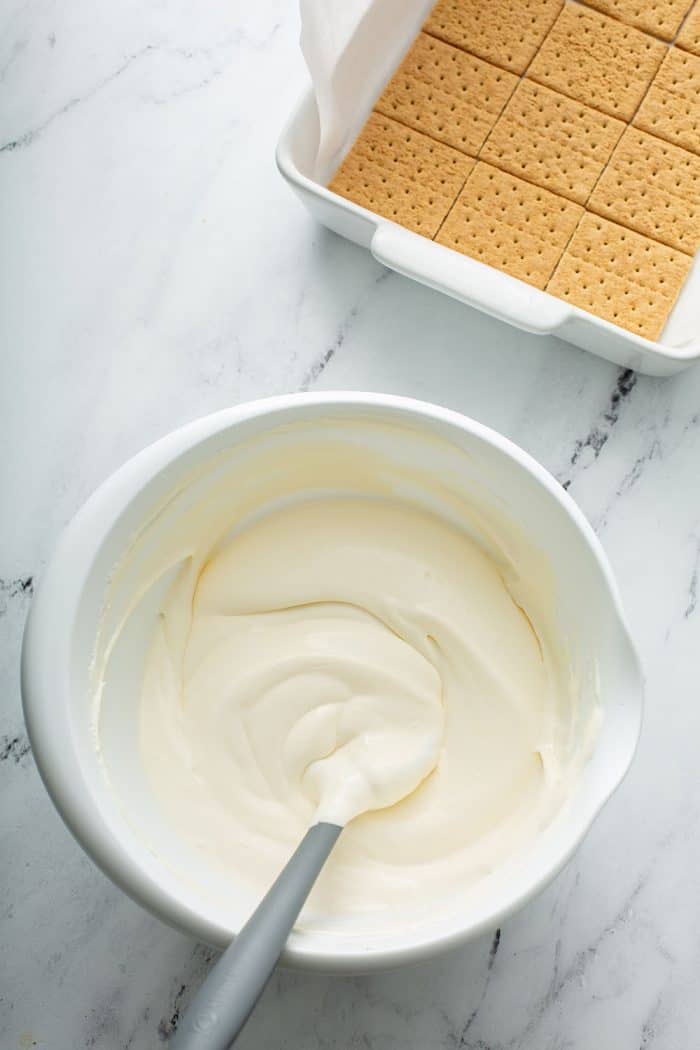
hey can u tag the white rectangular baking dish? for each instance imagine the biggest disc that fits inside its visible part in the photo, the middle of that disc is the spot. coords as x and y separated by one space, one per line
468 280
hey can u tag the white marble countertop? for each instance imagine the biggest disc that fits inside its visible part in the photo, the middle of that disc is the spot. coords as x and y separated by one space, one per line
156 267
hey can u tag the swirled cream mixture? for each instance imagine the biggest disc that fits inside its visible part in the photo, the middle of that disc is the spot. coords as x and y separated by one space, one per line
353 651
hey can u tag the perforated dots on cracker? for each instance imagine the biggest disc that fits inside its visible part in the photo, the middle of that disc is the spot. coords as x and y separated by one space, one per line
505 32
659 17
402 175
446 93
620 275
553 141
598 61
510 224
689 36
671 107
652 187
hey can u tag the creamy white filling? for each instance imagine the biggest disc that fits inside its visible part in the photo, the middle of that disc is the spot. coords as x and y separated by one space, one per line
345 655
347 639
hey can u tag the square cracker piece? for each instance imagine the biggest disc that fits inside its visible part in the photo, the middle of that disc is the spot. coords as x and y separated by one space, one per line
689 36
402 175
620 276
505 32
598 61
658 17
552 141
654 188
446 93
510 224
671 107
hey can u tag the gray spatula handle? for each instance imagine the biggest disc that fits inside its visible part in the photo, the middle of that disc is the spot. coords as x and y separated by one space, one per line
223 1003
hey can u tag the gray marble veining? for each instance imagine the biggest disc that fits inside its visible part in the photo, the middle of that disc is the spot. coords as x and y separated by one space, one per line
155 268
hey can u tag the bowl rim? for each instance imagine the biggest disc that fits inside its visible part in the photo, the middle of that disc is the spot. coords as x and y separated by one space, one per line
46 653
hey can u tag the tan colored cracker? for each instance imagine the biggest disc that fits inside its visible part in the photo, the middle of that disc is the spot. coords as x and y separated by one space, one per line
510 224
402 175
447 94
597 60
658 17
552 141
654 188
689 36
620 276
505 32
671 108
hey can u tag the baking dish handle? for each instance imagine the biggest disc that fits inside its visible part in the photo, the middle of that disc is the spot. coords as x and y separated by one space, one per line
471 282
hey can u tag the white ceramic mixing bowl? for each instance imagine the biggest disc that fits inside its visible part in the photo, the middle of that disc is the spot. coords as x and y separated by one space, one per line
60 642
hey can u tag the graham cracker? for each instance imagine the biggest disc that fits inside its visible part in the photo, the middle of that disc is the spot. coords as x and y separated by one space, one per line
659 17
620 275
510 224
553 141
598 61
447 94
505 32
402 175
689 36
652 187
671 108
